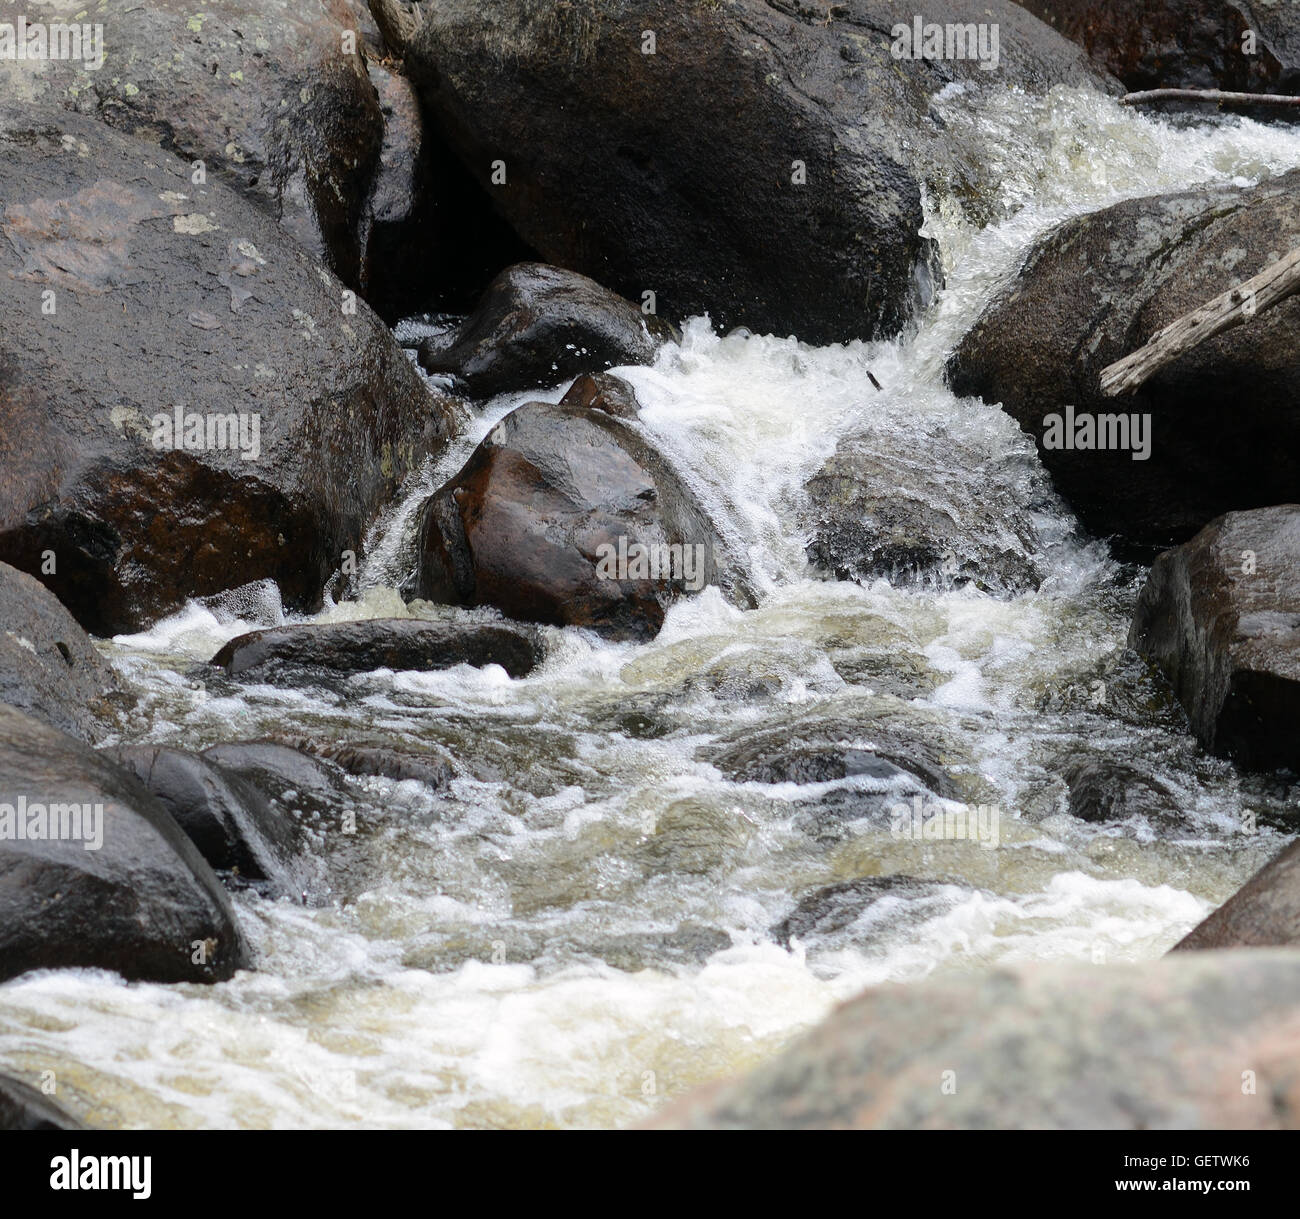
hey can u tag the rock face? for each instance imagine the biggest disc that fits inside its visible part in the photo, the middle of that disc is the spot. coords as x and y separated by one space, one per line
48 666
938 525
537 326
228 819
759 160
129 295
552 518
1221 616
1097 289
1263 913
24 1108
382 643
1135 1047
141 902
1184 43
265 94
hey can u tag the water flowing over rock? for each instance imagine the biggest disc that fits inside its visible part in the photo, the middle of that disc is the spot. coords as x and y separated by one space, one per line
1264 913
267 95
24 1108
122 888
48 666
537 326
1130 1047
1221 616
1250 46
132 297
1220 426
761 161
382 643
557 517
228 819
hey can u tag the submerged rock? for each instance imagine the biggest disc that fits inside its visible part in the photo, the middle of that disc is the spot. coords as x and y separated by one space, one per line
1264 912
759 161
48 666
122 888
228 819
557 517
1157 1045
382 643
1154 466
871 517
1221 616
298 420
539 325
1110 791
24 1108
835 909
1184 44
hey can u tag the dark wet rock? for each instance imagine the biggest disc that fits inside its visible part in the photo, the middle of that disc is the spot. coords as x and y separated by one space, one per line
1155 1045
433 766
1128 687
688 165
144 903
227 818
1265 912
603 391
24 1108
874 516
265 95
1101 790
1221 616
190 299
1184 44
48 666
825 752
1096 289
824 913
537 326
285 775
689 944
536 520
382 643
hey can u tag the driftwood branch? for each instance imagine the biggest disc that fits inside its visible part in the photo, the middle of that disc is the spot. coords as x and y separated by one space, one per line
397 23
1233 308
1208 95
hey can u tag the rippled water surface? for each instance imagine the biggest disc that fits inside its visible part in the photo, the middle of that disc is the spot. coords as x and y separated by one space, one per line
582 925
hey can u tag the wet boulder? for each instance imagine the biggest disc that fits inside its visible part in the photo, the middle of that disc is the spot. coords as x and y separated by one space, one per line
538 326
382 643
1105 791
874 514
48 666
226 817
102 876
566 515
1249 46
1063 1046
271 97
24 1108
603 391
762 161
186 403
1221 616
1152 467
855 911
1264 912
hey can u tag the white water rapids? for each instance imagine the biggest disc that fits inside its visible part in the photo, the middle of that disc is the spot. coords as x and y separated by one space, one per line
580 929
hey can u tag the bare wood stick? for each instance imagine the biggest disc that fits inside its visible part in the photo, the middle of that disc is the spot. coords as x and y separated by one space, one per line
1208 95
1233 308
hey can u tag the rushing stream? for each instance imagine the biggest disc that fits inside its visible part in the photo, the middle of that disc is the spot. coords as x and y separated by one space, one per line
580 927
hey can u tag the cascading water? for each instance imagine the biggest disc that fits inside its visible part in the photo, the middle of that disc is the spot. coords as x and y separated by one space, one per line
582 926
